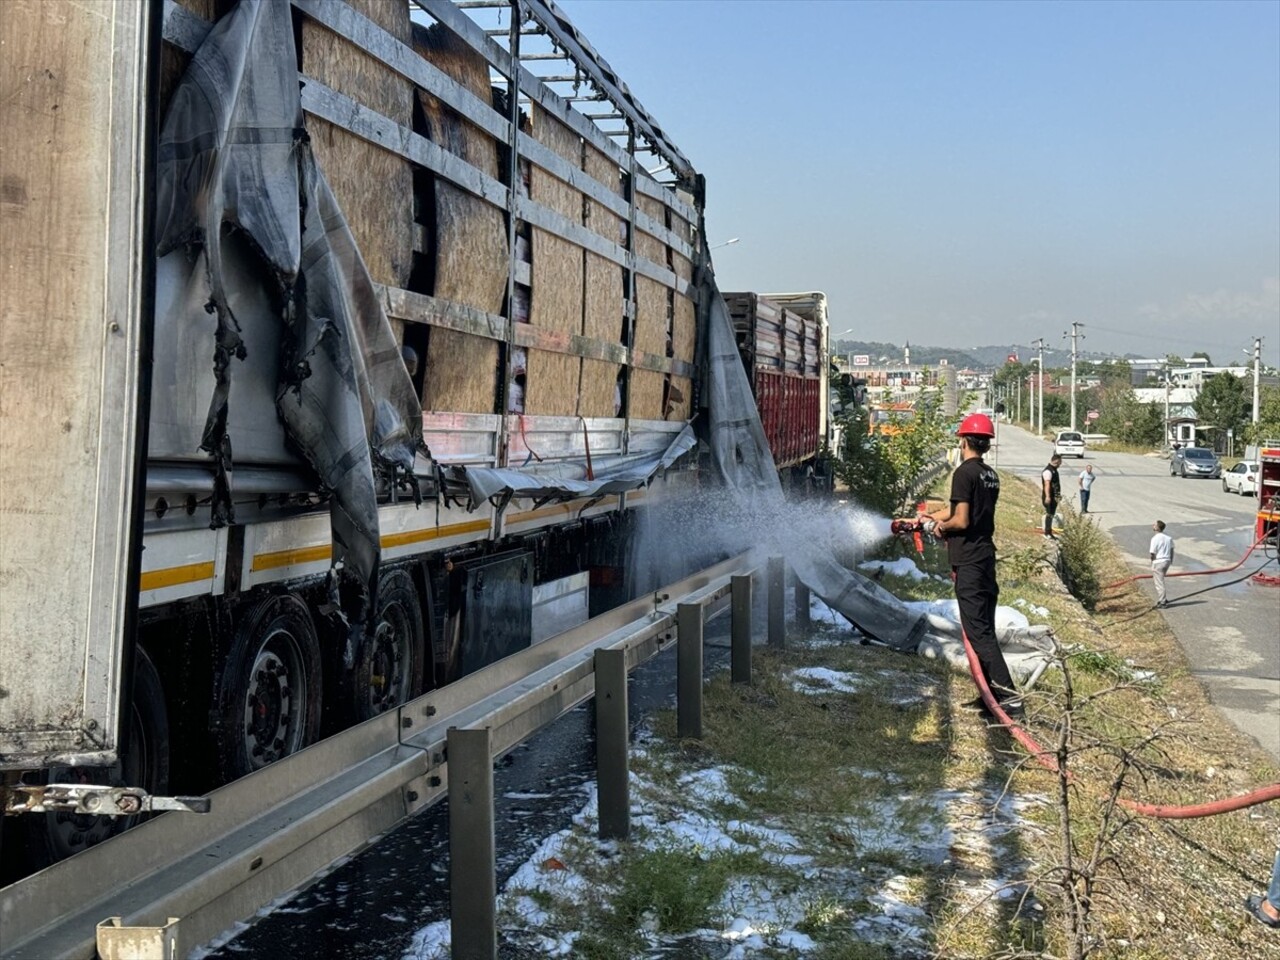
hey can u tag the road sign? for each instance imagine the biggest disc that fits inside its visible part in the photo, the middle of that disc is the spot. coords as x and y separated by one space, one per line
942 361
861 360
1092 415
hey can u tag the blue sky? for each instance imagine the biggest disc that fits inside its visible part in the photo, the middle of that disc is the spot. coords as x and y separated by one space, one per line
975 173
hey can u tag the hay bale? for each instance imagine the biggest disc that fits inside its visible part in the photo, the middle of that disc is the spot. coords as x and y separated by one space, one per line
604 301
373 186
470 241
558 277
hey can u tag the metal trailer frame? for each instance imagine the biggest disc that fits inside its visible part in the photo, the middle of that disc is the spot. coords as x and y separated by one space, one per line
283 541
178 881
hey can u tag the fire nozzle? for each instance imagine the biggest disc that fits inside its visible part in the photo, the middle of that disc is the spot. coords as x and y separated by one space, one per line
915 527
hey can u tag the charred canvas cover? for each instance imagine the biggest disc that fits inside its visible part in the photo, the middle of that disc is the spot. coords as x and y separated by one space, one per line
235 168
741 455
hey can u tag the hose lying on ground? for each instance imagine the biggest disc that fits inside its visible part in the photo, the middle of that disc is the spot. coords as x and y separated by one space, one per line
1047 760
1196 573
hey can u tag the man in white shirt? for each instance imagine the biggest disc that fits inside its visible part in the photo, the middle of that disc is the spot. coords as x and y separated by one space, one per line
1161 552
1086 484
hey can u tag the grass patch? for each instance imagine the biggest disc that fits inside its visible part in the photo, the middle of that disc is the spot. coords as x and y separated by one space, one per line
674 889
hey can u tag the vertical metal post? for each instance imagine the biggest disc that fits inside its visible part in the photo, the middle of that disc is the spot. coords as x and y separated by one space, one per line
776 588
472 881
613 762
740 628
802 603
689 670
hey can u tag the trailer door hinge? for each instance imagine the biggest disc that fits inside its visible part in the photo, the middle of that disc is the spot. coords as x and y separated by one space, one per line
91 799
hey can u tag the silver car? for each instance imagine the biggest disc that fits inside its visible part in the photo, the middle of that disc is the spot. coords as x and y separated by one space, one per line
1195 462
1241 479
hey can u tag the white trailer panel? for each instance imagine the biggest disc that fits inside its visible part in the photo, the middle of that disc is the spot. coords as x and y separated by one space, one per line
71 209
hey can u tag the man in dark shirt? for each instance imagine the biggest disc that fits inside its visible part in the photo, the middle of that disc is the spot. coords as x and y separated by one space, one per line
1050 493
968 525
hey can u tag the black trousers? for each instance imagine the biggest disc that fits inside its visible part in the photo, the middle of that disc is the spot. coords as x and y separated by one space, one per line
976 594
1050 508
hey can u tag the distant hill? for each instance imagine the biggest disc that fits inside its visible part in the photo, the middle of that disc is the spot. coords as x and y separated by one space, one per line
988 358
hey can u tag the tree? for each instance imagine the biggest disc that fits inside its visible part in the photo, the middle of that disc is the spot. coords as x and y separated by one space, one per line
1268 425
881 469
1124 419
1222 403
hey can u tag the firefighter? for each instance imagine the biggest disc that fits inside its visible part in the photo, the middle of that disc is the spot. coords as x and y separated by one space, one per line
967 525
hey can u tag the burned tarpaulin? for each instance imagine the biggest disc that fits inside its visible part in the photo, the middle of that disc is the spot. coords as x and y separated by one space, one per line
561 481
741 455
235 173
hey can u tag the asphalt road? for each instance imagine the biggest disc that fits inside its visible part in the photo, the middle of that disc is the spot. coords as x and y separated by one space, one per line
1229 631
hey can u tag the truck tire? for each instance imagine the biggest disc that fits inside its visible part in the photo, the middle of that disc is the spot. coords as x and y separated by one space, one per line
390 668
269 693
144 762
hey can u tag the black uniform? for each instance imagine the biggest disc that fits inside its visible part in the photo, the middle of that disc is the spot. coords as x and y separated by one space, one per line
1055 494
973 568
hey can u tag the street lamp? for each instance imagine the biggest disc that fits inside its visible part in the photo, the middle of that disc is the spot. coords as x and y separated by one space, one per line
723 243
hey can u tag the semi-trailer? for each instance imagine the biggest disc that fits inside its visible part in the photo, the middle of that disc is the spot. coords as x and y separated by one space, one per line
344 352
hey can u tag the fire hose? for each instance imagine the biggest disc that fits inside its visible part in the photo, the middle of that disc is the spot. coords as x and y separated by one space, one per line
917 528
1264 541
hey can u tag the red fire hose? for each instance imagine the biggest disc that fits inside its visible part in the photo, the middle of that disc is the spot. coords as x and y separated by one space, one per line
916 527
1195 573
1049 762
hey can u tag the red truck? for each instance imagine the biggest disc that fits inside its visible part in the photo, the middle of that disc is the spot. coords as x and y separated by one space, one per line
783 341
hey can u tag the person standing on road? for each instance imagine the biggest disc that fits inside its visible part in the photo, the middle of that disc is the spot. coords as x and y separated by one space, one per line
1050 493
1161 552
968 525
1086 483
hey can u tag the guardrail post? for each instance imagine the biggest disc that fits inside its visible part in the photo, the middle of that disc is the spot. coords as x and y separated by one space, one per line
613 762
689 670
472 880
802 603
776 587
740 628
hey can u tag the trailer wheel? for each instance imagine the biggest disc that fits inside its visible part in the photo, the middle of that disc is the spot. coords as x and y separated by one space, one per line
144 762
270 691
390 668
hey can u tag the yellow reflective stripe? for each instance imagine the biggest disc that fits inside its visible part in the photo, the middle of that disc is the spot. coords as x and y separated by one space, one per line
289 558
173 576
420 536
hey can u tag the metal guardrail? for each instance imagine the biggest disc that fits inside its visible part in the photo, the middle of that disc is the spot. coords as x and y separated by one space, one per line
176 882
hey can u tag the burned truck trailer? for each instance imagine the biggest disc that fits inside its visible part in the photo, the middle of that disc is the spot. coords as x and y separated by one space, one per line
343 355
782 338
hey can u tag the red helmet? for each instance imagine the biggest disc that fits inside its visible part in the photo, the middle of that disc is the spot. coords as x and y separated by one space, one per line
977 425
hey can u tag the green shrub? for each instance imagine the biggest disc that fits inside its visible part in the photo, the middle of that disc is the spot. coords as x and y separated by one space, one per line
1082 545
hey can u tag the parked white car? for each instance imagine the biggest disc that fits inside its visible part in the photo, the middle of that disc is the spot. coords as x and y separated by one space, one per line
1241 479
1068 443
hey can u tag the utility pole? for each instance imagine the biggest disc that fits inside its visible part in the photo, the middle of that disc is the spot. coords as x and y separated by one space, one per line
1257 372
1038 343
1166 401
1075 335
